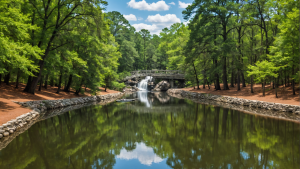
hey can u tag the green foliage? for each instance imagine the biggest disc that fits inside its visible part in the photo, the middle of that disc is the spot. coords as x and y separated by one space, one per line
15 51
263 70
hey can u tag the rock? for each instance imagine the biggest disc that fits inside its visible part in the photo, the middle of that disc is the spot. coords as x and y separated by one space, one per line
6 134
132 82
2 131
162 86
11 131
1 135
130 89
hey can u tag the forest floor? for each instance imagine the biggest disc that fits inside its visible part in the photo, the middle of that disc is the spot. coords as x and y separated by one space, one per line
285 94
8 93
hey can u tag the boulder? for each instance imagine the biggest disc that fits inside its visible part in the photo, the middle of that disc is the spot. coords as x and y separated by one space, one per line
162 86
6 134
130 89
132 82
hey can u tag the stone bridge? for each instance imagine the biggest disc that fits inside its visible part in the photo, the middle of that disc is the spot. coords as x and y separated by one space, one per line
169 75
158 74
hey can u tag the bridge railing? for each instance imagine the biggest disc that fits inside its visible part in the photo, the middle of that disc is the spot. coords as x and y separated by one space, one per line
169 72
163 73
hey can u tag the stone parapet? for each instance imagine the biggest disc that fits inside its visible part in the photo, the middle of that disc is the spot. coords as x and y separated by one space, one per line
286 111
43 107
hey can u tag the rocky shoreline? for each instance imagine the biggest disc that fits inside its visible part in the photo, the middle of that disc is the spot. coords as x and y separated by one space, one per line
284 111
43 108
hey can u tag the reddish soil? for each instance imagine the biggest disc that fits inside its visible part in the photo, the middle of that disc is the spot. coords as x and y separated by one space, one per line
8 93
285 94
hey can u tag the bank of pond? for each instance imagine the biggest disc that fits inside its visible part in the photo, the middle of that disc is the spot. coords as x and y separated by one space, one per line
156 131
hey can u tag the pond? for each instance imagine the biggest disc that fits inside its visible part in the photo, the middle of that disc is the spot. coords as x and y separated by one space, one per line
157 131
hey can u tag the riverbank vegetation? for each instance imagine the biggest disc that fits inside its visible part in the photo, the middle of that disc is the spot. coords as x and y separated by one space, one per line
58 43
71 44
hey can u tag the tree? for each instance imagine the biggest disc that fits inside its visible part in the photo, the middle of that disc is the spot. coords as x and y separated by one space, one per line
262 71
52 17
145 35
15 52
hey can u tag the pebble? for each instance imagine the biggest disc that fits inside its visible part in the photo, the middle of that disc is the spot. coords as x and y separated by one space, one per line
11 131
1 135
6 134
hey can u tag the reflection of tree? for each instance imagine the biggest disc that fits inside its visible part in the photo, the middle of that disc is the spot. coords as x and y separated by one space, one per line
198 137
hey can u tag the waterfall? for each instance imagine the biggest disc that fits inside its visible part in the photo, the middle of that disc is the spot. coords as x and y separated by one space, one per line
144 83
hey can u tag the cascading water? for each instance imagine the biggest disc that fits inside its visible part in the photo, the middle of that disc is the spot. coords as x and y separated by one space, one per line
143 85
142 94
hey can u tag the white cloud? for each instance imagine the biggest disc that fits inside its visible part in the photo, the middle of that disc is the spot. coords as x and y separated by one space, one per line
140 18
158 22
140 26
170 18
143 153
183 5
130 17
172 3
143 5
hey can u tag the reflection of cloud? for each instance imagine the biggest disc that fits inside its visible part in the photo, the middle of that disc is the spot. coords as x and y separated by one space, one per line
143 153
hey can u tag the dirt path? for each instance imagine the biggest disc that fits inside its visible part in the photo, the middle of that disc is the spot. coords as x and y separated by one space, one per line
10 110
284 93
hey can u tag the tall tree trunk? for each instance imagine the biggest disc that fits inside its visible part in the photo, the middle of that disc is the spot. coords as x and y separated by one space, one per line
41 64
252 84
251 59
238 80
293 81
41 83
276 86
6 78
196 76
285 78
217 85
59 83
204 79
145 67
46 82
28 83
232 75
225 83
264 84
18 77
208 84
243 79
67 89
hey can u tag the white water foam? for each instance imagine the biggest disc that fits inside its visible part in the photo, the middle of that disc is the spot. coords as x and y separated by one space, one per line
144 83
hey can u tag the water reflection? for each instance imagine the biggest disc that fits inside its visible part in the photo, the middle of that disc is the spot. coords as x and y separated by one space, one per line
197 136
143 97
143 153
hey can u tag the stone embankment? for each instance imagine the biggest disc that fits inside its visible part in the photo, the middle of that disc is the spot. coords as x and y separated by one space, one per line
286 111
42 106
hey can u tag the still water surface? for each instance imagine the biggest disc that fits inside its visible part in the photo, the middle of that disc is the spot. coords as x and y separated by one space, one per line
158 131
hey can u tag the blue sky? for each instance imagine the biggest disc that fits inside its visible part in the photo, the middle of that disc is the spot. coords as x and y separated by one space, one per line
153 15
